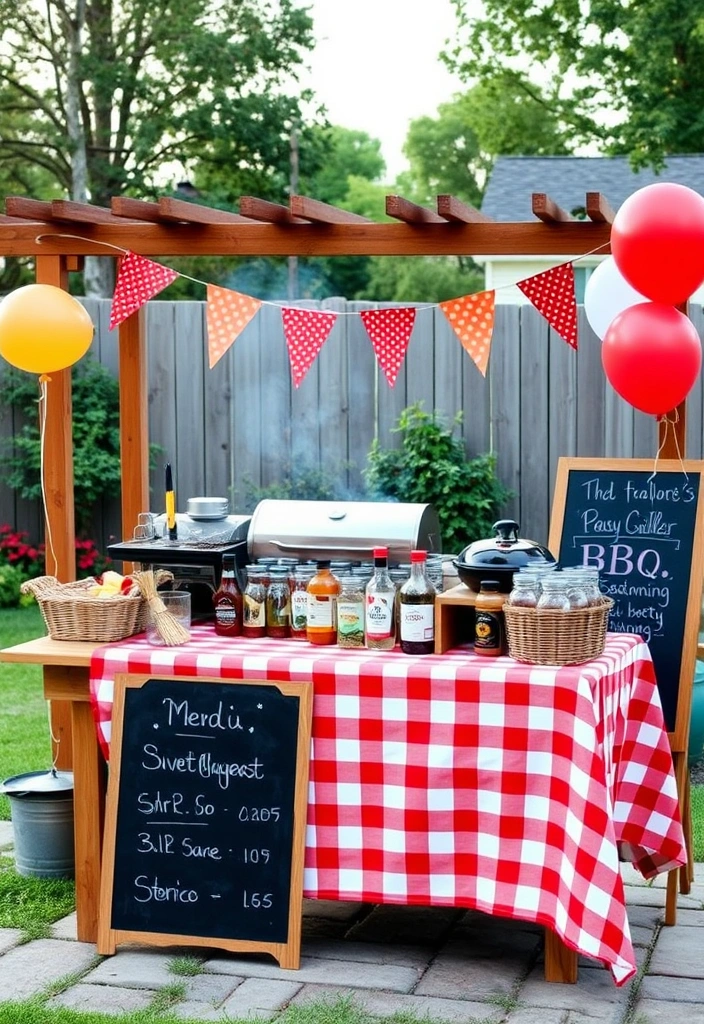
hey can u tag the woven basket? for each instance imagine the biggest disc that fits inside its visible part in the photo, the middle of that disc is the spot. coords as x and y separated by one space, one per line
70 613
541 636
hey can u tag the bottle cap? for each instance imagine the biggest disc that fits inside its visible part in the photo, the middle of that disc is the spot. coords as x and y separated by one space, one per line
490 586
228 563
381 552
323 563
418 556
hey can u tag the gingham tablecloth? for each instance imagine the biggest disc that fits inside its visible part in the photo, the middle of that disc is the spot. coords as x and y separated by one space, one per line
457 780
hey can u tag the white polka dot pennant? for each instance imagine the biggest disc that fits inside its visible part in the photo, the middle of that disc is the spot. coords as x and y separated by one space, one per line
471 317
552 294
138 281
227 314
390 331
306 332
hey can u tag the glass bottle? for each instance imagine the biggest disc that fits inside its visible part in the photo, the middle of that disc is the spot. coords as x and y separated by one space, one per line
523 594
323 589
227 601
350 612
278 604
417 609
254 601
489 626
380 593
554 596
299 602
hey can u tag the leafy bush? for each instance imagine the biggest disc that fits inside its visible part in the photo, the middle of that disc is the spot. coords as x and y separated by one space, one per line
28 560
300 485
431 466
10 580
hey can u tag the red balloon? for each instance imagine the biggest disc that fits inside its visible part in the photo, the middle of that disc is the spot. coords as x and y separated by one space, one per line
652 356
657 240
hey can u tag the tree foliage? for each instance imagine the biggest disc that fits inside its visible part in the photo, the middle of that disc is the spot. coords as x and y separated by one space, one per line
628 76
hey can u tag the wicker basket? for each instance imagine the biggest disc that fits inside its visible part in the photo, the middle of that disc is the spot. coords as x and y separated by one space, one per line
541 636
70 613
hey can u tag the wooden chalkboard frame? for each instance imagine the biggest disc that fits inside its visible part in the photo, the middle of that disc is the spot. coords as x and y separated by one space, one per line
680 736
287 954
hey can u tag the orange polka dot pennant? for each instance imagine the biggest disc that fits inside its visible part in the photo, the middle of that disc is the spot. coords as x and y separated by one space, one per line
471 317
390 331
138 281
552 294
227 314
306 332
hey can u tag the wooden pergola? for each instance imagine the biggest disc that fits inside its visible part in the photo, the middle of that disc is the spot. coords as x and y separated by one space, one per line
60 233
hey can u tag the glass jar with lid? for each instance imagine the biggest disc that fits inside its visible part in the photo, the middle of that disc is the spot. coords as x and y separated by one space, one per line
350 612
554 595
525 592
574 582
278 604
299 601
254 603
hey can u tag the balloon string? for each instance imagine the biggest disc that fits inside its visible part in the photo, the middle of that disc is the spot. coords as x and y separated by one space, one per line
677 444
669 423
43 394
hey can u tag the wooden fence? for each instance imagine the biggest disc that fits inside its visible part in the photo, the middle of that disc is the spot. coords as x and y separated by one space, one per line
243 425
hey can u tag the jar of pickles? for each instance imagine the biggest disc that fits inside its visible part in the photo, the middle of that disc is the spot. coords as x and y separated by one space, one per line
278 604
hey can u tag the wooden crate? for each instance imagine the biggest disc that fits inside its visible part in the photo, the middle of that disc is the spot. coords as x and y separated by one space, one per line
454 618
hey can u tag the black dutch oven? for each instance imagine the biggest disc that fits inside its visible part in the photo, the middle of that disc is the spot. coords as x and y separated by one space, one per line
500 557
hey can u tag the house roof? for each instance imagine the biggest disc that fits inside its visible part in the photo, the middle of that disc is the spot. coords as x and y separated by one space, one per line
566 178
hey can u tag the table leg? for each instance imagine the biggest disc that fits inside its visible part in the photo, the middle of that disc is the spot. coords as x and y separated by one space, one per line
680 877
560 960
62 750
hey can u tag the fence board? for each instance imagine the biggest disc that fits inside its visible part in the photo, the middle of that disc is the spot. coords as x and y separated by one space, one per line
248 395
161 370
190 352
505 390
695 412
590 391
362 381
391 400
534 416
449 357
562 422
275 421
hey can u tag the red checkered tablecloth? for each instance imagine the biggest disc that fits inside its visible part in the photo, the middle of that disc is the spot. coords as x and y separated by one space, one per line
457 780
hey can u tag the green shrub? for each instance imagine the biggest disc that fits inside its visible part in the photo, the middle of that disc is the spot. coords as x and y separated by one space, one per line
10 580
431 466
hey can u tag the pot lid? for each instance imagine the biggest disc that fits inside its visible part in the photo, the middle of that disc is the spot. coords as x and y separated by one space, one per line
51 781
506 550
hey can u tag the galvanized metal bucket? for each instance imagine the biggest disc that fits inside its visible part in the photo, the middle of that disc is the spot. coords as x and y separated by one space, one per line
41 805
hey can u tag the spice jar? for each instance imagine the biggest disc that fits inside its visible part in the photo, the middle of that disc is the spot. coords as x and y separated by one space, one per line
554 596
278 605
524 593
489 627
299 602
350 612
254 603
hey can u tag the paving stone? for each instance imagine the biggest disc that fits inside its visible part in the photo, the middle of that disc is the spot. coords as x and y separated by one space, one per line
29 969
535 1015
679 951
9 937
66 928
209 988
190 1010
143 968
417 957
386 1004
644 896
690 918
7 835
335 909
661 986
471 970
314 928
102 999
643 936
412 925
632 876
255 997
594 995
647 917
475 923
652 1011
341 972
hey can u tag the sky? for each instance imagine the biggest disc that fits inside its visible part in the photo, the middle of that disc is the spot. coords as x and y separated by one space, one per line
376 67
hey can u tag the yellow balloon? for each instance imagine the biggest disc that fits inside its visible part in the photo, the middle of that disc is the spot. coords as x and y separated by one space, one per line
43 328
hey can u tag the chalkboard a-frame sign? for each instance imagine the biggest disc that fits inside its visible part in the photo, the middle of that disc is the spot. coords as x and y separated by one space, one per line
642 526
206 815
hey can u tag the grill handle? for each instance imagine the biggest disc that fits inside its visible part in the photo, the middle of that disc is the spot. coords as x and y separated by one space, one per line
328 547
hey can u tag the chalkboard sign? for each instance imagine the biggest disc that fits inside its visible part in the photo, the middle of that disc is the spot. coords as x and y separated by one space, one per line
641 525
206 814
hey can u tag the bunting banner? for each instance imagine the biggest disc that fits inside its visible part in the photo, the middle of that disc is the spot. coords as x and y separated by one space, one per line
306 332
552 294
389 331
138 281
227 314
471 317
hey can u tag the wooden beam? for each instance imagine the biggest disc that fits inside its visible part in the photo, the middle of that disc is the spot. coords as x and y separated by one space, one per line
134 420
322 213
547 210
82 213
598 208
136 209
31 209
192 213
452 208
58 451
262 210
411 213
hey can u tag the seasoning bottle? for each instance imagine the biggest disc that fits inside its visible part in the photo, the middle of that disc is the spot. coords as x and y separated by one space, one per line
254 601
227 601
379 625
417 609
489 629
323 589
350 613
299 602
278 604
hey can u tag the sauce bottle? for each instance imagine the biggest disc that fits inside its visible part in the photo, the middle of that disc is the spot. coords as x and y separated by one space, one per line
379 624
227 601
416 605
489 628
323 588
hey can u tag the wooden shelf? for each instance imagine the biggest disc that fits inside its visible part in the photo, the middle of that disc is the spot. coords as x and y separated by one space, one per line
454 618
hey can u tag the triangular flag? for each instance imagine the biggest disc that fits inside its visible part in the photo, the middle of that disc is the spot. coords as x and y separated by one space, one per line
306 332
138 281
390 332
227 314
471 317
552 294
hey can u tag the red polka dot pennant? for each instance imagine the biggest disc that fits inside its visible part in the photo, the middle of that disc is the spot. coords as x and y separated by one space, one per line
552 294
138 281
471 317
227 314
390 331
306 332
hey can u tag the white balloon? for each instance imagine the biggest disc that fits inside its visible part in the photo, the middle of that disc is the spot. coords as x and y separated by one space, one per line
606 295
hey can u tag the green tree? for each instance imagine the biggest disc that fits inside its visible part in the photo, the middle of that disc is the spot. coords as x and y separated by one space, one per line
628 76
421 279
